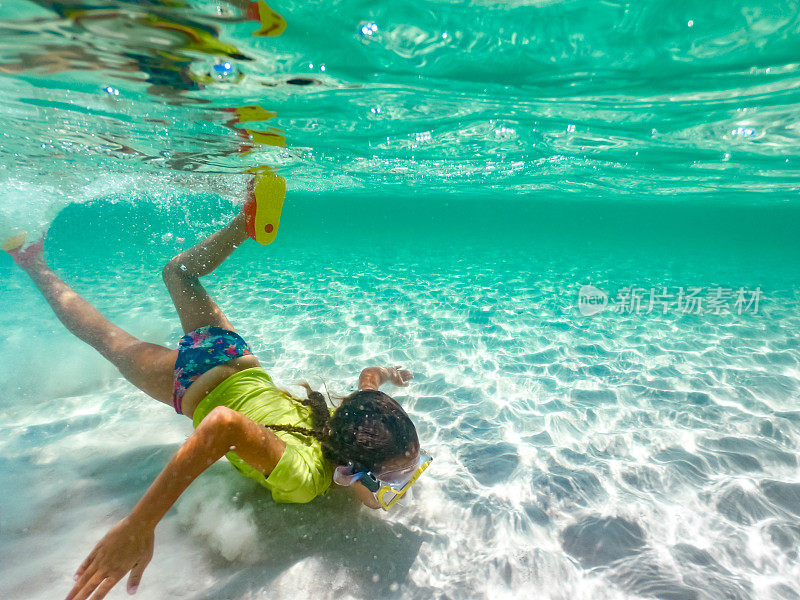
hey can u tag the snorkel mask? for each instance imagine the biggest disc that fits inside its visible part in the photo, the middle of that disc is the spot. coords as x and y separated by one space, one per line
388 486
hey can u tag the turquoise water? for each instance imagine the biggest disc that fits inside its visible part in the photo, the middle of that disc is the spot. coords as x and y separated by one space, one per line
456 173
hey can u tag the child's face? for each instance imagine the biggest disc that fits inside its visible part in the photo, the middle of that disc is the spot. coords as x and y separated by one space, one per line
400 466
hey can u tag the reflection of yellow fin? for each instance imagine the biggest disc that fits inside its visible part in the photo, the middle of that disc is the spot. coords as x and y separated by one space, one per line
253 112
272 24
199 40
263 208
14 241
266 138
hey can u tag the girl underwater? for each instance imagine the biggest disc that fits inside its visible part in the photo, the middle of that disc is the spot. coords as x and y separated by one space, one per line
297 448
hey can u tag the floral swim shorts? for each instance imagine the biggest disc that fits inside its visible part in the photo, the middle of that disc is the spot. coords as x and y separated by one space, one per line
201 350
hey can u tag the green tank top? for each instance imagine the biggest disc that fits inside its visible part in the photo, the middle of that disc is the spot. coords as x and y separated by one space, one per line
302 473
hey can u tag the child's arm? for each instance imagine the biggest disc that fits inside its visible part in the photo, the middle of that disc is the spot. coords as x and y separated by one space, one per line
372 378
366 497
129 545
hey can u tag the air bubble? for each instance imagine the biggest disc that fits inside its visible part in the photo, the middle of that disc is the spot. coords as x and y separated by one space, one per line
507 132
222 70
369 28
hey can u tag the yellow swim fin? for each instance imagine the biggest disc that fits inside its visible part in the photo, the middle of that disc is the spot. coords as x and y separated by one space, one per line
263 208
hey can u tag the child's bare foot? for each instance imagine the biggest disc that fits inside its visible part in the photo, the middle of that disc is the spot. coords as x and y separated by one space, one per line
24 258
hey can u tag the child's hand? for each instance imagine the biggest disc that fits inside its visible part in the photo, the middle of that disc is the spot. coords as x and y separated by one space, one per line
399 376
128 547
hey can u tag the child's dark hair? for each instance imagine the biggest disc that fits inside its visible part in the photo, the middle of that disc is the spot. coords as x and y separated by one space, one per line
368 428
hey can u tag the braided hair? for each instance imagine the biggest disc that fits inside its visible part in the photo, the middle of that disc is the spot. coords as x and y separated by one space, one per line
366 429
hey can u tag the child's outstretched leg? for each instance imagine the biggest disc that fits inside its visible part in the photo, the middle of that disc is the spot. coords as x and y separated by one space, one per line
182 276
147 366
